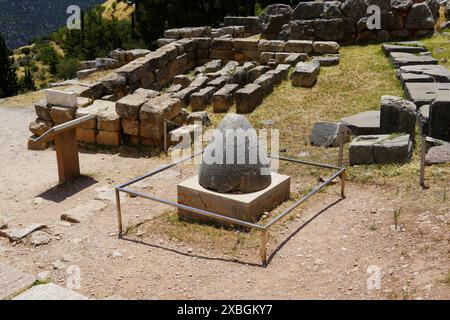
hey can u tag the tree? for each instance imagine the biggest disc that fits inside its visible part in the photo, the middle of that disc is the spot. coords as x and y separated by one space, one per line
27 83
8 77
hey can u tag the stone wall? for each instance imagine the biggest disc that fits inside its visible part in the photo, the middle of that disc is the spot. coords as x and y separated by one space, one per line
344 21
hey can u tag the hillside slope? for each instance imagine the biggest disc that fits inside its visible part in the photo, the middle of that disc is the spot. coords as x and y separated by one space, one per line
21 20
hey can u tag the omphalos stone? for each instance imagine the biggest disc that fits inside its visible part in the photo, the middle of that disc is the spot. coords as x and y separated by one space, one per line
235 162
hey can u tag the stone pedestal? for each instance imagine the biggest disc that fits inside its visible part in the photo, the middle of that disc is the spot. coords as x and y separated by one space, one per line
247 207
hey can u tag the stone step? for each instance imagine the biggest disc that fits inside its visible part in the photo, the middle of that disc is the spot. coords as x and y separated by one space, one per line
13 281
50 291
365 123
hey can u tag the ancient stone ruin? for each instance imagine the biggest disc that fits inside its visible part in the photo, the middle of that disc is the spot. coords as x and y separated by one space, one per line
343 21
234 179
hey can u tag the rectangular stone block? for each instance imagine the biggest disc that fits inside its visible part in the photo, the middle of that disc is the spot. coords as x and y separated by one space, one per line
13 281
108 138
43 110
299 46
271 46
325 47
62 114
284 70
381 149
94 109
245 44
266 81
281 56
248 98
219 82
277 76
222 44
108 119
130 105
265 57
247 207
295 58
440 118
86 135
200 100
184 96
133 72
61 98
305 74
221 54
131 127
224 98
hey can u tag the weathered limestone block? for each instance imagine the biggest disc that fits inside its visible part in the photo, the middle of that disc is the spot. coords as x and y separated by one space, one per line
328 134
62 114
295 58
299 46
397 115
224 98
248 98
39 127
213 66
325 47
129 106
108 119
222 44
332 29
61 98
199 117
281 56
265 57
13 281
133 72
365 123
239 77
83 74
94 109
266 81
154 112
131 127
305 74
278 76
43 110
271 46
440 118
242 45
256 72
381 149
401 59
200 100
109 138
219 82
420 17
438 155
308 10
179 65
284 70
113 83
184 95
37 146
221 54
200 81
328 60
86 135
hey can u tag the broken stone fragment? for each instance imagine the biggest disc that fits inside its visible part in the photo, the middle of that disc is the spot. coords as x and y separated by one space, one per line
18 234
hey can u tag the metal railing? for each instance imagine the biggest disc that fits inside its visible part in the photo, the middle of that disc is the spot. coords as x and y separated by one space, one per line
339 172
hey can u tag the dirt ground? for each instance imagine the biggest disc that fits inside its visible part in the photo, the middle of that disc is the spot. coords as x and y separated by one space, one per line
323 251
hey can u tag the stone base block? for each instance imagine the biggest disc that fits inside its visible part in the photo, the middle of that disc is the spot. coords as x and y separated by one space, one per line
86 135
247 207
108 138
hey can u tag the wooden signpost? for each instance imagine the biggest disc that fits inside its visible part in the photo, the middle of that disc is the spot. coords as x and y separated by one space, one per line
66 147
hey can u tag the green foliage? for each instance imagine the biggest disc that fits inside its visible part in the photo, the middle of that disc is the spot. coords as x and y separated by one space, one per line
8 78
67 68
26 83
97 37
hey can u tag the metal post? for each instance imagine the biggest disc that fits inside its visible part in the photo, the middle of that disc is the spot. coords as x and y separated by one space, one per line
343 184
263 247
119 213
422 160
341 149
165 137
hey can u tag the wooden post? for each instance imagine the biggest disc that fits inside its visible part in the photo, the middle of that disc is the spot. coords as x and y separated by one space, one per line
66 147
263 247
